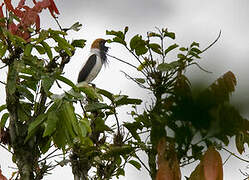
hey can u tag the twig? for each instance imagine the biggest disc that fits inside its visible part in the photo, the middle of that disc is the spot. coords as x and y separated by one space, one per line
143 164
233 154
194 63
3 66
48 155
218 37
3 83
122 61
227 159
6 148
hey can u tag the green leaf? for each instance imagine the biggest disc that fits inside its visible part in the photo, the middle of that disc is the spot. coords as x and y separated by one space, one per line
85 127
195 44
155 47
138 44
67 81
168 34
124 100
33 126
28 49
3 107
47 83
76 26
133 127
118 34
4 118
79 43
47 49
40 49
26 93
50 123
105 93
181 56
153 34
63 44
96 106
183 49
168 66
135 164
170 48
140 80
198 51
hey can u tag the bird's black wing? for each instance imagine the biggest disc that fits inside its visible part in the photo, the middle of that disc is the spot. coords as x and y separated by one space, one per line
87 68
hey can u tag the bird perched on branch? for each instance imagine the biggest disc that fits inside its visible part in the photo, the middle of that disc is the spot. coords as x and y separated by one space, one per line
96 59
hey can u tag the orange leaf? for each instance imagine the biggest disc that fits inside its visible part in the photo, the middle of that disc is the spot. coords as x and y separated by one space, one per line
212 165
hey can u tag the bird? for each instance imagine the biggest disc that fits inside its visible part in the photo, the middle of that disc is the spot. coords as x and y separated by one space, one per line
96 59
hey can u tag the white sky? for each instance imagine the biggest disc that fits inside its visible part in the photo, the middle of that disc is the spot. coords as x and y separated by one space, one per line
192 20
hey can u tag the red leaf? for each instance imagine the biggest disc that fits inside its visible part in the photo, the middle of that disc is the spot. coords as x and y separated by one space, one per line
53 9
212 165
9 5
37 23
1 11
21 4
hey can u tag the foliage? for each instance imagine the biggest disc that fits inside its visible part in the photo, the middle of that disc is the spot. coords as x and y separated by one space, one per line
186 122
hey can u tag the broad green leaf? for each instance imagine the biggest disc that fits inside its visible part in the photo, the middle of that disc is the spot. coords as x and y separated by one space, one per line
169 34
85 127
153 34
181 56
45 144
124 100
135 164
28 49
198 51
105 93
26 93
118 34
47 49
133 127
96 106
33 126
79 43
62 43
68 82
195 44
138 44
168 66
4 118
40 49
47 83
155 47
50 124
170 48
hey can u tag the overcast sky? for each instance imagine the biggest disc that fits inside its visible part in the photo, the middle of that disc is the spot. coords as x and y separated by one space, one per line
191 20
